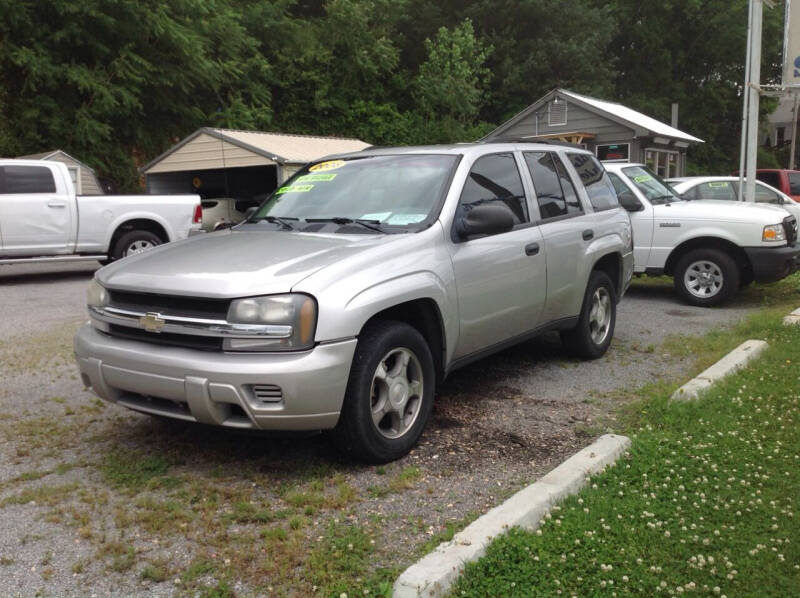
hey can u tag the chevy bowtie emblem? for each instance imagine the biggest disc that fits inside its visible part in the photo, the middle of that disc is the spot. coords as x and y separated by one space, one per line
152 322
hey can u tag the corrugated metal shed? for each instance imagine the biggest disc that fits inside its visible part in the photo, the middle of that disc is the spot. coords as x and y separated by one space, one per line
83 176
210 148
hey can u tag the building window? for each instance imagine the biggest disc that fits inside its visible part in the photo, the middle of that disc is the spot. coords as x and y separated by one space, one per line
613 152
75 175
663 162
557 113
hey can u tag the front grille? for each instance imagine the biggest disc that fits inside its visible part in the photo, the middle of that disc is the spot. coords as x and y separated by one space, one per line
172 305
189 341
790 228
267 393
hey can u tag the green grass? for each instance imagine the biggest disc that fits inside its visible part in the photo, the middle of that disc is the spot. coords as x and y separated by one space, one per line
705 502
132 470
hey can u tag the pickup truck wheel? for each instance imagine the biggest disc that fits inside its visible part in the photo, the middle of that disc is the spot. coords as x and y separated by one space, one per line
592 336
706 277
134 242
389 394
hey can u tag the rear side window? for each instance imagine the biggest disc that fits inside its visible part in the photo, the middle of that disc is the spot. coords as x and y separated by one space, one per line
495 179
716 190
26 179
601 192
766 195
770 178
555 192
794 183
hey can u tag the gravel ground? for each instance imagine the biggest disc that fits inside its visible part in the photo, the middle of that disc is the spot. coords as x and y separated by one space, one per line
96 500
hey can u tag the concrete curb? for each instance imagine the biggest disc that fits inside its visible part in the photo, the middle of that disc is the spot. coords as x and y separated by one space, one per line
435 573
732 362
793 318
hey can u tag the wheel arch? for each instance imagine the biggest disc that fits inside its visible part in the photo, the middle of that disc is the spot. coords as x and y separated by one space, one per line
612 264
425 316
147 224
737 253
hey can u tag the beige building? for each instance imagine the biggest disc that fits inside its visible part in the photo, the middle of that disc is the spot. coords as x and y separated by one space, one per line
83 177
241 164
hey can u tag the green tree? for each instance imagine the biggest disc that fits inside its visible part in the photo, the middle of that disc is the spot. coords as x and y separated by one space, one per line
115 81
692 52
451 81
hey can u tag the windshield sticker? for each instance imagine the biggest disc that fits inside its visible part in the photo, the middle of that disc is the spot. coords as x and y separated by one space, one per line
295 189
311 178
642 178
329 165
717 185
403 219
379 216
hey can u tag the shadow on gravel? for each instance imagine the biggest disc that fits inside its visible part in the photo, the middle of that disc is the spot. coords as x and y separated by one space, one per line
7 276
473 414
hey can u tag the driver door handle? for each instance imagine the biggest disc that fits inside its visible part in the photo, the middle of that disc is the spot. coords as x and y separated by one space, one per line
56 204
531 249
588 234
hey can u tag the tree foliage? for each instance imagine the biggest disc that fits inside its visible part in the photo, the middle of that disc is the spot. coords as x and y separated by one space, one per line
115 82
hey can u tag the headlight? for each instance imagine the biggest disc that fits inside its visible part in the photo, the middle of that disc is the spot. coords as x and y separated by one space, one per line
294 318
773 232
96 295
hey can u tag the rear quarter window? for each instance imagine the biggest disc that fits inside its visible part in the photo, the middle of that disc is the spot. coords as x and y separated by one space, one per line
593 176
26 179
794 183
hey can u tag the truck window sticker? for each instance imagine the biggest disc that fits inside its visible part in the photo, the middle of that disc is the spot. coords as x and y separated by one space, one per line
329 165
315 178
294 189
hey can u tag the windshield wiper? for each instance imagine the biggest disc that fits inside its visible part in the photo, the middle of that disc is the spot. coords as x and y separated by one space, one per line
370 224
282 220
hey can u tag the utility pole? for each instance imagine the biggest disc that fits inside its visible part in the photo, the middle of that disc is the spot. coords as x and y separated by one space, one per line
794 131
753 89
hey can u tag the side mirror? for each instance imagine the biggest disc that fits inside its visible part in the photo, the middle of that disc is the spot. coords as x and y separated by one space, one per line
249 212
485 220
629 201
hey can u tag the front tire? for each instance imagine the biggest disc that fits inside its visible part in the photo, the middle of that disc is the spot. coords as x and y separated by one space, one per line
134 242
592 336
389 394
706 277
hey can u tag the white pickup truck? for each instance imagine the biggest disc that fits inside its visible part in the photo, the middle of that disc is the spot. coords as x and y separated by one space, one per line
711 248
42 219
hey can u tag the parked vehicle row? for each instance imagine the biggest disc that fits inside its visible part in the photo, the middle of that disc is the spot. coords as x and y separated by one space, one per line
42 219
710 247
358 286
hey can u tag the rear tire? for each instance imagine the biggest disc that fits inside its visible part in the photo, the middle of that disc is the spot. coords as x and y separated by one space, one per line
134 242
706 277
592 336
389 394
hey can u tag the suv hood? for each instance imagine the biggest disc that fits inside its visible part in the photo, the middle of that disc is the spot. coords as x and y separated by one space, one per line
235 263
722 211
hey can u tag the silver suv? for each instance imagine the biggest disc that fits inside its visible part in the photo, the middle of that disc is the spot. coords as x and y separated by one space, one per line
356 287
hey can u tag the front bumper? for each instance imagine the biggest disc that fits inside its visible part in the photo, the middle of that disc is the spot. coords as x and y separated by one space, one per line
773 263
217 388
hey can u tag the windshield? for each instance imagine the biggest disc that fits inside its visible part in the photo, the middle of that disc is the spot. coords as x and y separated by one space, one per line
651 185
379 193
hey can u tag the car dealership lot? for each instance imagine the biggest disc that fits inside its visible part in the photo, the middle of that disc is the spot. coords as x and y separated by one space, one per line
96 496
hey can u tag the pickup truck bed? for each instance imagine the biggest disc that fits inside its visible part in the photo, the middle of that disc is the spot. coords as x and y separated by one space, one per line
41 218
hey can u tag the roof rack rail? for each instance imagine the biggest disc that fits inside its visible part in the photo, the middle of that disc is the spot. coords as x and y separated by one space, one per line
532 139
